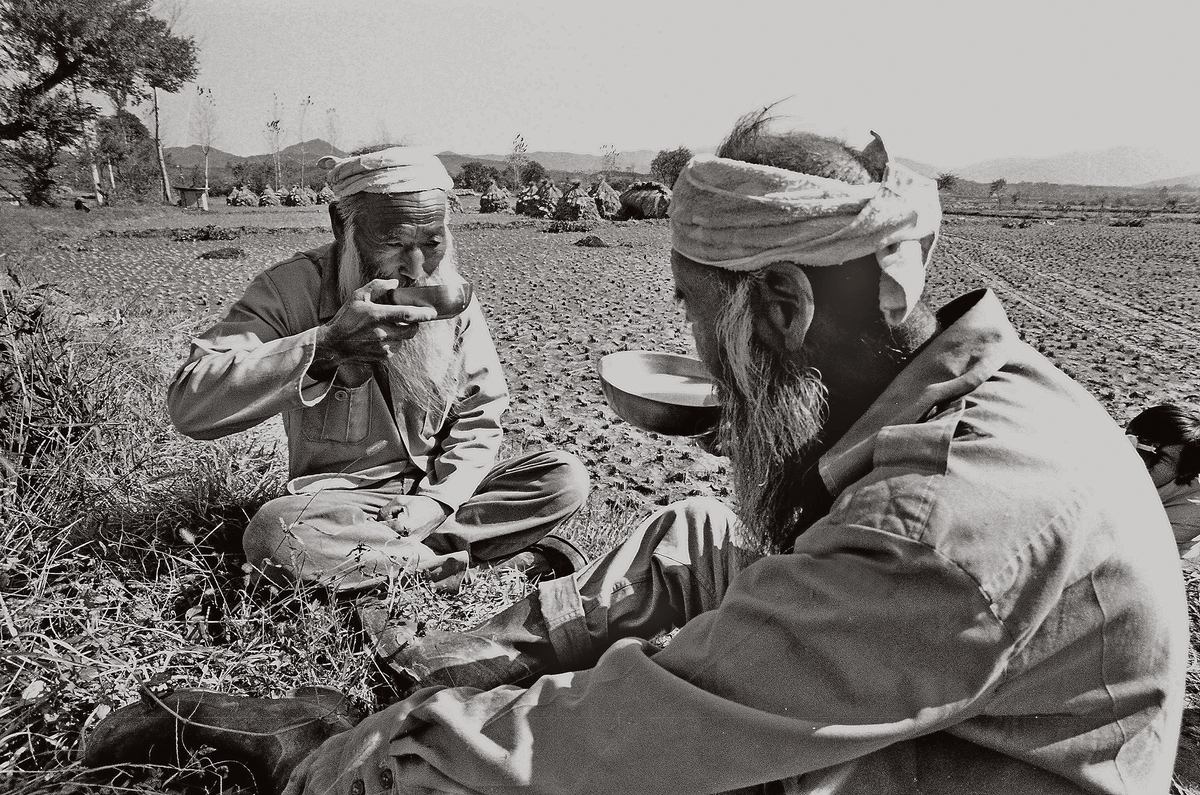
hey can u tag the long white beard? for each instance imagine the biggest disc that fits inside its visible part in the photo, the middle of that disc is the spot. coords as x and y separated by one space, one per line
424 369
772 412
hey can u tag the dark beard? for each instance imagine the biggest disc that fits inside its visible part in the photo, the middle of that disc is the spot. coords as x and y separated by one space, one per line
772 414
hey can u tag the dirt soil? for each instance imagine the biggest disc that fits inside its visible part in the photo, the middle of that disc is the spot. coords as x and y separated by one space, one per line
1112 306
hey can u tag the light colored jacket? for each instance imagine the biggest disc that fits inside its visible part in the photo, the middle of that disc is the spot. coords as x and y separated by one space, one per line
992 604
254 365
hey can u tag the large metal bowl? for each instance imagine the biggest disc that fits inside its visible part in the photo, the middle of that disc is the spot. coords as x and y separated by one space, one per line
448 299
660 392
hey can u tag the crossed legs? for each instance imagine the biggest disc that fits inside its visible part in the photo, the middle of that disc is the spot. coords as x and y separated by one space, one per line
334 537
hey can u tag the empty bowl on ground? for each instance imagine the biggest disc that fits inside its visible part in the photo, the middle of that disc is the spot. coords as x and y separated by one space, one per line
448 299
661 392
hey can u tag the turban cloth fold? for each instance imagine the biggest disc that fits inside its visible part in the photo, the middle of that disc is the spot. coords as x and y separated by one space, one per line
400 169
742 217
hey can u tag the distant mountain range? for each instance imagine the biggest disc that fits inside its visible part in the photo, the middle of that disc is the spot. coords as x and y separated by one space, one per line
1122 166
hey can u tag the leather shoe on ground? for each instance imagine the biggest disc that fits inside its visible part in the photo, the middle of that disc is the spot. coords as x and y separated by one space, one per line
268 735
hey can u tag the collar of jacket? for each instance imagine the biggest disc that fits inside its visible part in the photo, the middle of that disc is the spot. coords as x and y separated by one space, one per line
976 340
328 303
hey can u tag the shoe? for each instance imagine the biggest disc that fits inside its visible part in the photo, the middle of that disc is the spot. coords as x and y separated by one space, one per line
548 559
564 557
270 736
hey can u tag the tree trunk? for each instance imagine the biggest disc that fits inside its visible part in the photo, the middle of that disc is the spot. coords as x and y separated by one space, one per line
162 161
100 200
112 180
87 148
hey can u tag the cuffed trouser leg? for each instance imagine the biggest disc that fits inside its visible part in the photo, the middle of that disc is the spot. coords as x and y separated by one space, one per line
676 565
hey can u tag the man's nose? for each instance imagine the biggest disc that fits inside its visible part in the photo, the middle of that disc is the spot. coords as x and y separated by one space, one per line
412 263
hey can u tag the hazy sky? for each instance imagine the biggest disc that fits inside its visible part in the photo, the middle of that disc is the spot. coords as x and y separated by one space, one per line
948 83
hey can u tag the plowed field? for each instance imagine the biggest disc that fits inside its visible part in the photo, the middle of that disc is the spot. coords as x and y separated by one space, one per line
1115 307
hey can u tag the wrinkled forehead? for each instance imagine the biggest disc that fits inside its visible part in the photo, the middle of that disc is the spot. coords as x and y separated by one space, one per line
381 215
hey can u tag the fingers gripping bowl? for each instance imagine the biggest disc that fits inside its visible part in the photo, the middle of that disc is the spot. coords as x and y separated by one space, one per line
661 392
448 299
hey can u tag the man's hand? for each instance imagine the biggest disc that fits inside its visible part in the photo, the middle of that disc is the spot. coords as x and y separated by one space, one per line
363 329
413 516
353 756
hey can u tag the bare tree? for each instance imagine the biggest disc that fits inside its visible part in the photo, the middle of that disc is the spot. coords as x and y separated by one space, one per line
518 157
608 157
305 104
204 125
274 133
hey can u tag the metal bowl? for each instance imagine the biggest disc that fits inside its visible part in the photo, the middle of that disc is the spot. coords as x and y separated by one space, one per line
660 392
448 299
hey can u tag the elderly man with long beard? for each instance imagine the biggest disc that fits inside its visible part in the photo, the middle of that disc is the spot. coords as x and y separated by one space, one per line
392 416
941 577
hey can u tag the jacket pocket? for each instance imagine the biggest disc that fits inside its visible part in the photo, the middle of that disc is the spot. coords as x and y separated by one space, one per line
343 416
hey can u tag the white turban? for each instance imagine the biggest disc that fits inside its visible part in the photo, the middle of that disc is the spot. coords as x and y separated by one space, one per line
742 217
401 169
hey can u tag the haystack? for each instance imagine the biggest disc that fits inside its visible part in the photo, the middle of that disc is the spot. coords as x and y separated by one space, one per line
494 200
453 203
325 195
242 196
296 197
646 200
269 197
576 205
608 201
539 200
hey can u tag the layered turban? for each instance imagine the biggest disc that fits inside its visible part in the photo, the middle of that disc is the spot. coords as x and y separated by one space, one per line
401 169
742 217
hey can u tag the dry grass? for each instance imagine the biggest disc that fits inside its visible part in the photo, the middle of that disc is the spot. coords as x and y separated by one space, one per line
119 554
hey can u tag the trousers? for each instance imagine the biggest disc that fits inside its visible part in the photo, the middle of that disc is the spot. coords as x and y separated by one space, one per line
335 539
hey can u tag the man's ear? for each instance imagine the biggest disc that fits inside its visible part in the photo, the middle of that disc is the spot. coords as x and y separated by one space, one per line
875 155
335 220
783 307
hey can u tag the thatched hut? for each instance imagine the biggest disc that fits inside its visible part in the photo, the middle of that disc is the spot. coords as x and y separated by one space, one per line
646 200
608 201
539 200
576 205
494 200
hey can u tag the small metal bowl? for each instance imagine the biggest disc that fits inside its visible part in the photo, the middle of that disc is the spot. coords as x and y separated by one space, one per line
660 392
448 299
